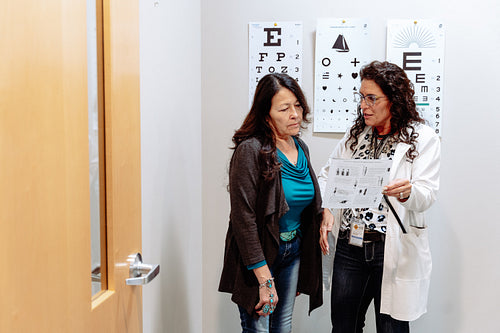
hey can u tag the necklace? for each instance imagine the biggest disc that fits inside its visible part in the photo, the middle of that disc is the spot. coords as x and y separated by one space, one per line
289 150
285 145
377 143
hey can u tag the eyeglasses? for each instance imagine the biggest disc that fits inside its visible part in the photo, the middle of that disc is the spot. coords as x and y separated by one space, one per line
370 100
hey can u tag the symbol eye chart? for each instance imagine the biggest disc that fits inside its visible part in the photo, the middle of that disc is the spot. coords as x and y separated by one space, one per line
342 48
274 47
417 46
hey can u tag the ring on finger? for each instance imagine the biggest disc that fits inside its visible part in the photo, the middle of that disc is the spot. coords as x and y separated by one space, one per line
401 195
265 308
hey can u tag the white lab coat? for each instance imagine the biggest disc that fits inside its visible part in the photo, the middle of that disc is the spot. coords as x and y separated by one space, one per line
407 257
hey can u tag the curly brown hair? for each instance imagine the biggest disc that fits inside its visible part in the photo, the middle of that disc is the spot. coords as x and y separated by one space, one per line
399 91
256 122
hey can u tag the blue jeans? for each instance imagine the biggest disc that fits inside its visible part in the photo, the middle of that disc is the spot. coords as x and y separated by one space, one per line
357 279
285 271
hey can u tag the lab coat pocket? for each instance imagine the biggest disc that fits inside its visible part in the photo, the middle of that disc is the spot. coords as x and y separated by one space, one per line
414 261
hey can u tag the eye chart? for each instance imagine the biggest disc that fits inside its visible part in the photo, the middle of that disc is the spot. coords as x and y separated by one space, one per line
417 46
274 47
342 48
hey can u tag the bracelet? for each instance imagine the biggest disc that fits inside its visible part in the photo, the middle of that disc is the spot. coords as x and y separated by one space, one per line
268 283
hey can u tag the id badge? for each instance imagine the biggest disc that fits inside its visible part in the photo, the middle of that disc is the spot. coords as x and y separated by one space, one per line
356 232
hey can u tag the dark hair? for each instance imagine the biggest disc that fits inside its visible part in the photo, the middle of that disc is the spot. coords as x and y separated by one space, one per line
256 122
399 91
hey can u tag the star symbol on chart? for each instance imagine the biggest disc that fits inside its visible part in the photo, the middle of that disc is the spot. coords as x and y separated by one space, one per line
340 75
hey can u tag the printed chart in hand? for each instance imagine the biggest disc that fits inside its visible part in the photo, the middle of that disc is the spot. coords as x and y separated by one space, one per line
356 183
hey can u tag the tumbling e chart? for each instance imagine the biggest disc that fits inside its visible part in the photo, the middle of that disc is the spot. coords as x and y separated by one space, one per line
342 48
417 46
274 47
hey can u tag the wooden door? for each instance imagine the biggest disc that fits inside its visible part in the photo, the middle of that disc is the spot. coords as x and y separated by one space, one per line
44 168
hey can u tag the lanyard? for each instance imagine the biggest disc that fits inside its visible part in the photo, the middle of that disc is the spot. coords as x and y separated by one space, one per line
395 214
376 145
377 149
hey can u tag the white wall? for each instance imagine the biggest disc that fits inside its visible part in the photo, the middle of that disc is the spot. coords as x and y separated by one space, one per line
170 49
465 296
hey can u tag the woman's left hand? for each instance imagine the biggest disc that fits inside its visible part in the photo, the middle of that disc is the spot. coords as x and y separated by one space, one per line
399 188
326 227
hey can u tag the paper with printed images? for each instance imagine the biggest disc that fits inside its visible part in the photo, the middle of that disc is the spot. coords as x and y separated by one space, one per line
356 183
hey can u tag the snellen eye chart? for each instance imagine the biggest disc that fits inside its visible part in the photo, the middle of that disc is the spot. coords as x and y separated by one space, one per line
417 46
342 48
274 47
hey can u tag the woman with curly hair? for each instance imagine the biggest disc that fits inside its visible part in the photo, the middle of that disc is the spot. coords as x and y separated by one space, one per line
392 266
272 243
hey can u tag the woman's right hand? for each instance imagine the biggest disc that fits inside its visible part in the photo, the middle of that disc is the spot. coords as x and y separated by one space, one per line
326 227
267 297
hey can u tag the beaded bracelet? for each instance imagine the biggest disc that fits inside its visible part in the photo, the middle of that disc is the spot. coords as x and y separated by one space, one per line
268 283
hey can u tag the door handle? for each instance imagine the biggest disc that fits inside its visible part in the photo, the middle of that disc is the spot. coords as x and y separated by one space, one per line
138 268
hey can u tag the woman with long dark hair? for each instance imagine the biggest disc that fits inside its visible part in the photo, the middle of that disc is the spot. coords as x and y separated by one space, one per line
392 265
272 245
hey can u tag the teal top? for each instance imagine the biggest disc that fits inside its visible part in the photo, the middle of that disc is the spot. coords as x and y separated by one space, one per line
299 192
298 188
